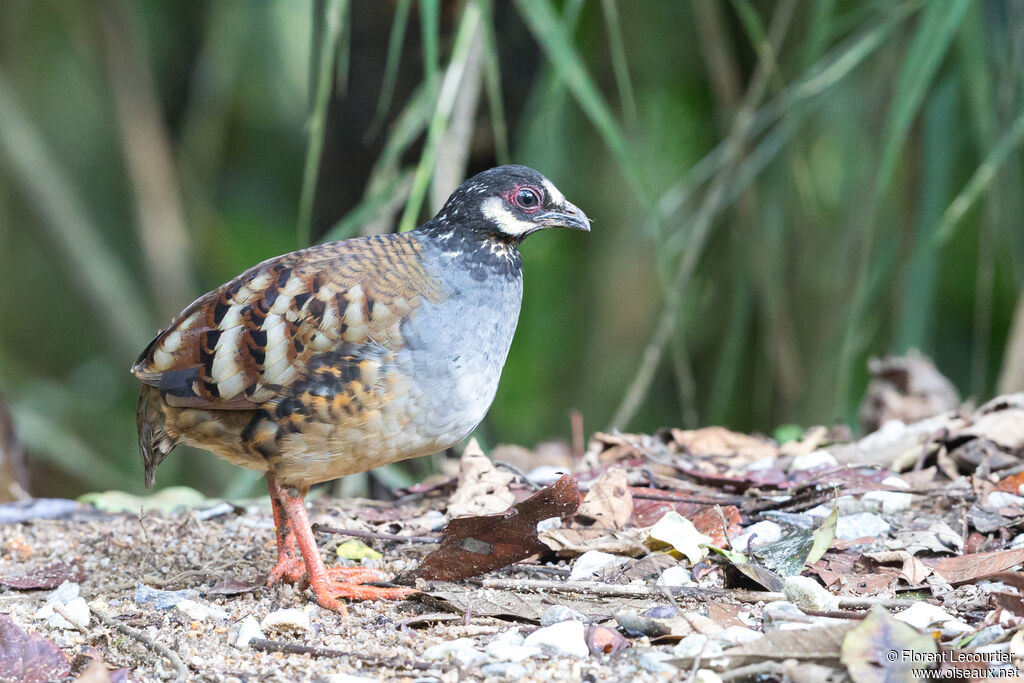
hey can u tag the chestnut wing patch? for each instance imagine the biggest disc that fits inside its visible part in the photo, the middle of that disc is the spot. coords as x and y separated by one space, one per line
239 345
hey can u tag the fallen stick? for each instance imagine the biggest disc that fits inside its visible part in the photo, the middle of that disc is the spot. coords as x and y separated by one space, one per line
376 535
264 645
180 670
630 591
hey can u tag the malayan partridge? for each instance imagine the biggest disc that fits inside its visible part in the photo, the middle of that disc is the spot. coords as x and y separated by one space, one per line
349 355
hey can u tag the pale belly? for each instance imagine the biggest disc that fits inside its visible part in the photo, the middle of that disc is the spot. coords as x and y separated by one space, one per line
436 390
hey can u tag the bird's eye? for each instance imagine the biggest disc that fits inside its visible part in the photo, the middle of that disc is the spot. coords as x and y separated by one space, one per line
527 198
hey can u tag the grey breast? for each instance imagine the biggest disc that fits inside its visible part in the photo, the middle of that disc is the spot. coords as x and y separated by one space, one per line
457 347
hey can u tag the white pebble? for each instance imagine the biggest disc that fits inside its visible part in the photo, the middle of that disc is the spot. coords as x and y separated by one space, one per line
247 631
291 619
593 561
508 646
737 635
766 532
654 661
557 613
565 637
861 525
462 650
675 576
697 645
199 611
887 502
808 461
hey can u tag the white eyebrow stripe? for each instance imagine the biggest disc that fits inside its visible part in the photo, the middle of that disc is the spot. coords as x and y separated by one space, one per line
494 209
557 197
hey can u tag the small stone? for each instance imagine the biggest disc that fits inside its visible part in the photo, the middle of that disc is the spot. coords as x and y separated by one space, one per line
549 524
809 461
806 593
655 662
861 525
349 678
675 576
285 620
160 599
766 532
508 670
661 612
565 637
776 614
201 612
737 635
559 613
887 502
635 625
706 676
508 646
1000 499
697 645
593 561
922 615
463 650
545 474
67 596
247 631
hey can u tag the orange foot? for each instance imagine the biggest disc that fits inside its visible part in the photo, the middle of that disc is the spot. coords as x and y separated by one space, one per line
329 589
298 558
288 569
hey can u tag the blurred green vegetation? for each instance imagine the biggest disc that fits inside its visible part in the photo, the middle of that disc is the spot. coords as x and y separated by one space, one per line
779 190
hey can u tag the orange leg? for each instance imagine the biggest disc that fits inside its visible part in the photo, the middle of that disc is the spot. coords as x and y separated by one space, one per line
290 566
328 585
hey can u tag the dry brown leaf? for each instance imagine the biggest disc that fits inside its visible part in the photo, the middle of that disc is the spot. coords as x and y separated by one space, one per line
811 441
868 649
721 441
965 568
29 657
608 503
912 570
1002 427
483 489
573 542
47 577
906 388
821 643
475 545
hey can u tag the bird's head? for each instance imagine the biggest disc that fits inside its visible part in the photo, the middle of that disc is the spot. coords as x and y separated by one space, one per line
508 203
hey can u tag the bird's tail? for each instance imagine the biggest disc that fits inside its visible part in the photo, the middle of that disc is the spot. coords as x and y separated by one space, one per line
154 441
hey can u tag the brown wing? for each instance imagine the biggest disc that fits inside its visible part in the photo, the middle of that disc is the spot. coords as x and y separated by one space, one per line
239 345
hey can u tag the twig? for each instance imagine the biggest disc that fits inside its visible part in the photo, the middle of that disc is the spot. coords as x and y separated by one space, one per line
264 645
376 535
630 591
59 609
519 473
180 671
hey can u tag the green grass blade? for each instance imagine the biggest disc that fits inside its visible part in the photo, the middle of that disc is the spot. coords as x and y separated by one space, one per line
468 27
980 180
394 59
430 33
333 16
549 31
492 81
620 65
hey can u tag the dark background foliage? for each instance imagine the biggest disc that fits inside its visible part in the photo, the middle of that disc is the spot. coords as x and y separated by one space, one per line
779 190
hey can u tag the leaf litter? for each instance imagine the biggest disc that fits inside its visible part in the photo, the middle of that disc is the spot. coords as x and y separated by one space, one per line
710 551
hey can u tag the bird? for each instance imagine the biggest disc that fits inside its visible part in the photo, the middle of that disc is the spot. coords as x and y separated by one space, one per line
349 355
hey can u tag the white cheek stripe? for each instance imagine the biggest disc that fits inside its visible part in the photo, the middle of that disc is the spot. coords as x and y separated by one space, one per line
557 198
494 208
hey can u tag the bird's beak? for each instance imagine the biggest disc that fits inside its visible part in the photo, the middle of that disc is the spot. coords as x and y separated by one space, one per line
569 217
